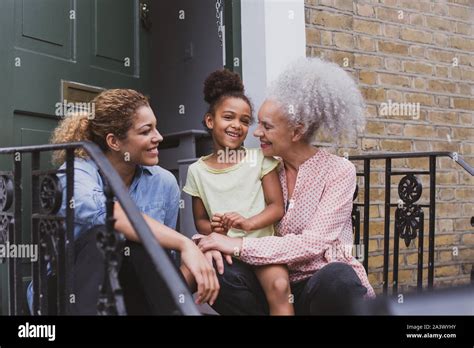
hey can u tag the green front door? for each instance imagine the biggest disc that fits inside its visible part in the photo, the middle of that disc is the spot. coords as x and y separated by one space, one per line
43 45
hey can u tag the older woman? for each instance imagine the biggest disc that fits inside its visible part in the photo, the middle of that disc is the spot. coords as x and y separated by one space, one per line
315 235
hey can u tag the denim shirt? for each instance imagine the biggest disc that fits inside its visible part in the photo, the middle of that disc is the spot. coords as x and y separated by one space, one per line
154 190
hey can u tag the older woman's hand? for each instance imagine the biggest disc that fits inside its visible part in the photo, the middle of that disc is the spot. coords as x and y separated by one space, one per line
224 244
216 256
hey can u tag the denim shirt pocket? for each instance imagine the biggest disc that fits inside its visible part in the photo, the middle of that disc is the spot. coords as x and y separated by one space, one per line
99 199
156 210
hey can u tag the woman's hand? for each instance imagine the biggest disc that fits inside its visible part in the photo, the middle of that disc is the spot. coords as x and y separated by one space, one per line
216 256
235 220
202 271
224 244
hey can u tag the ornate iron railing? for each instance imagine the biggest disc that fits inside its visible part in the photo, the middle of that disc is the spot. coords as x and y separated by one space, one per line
55 235
409 215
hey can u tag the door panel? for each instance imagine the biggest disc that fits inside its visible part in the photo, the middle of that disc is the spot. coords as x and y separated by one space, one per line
115 44
37 79
45 26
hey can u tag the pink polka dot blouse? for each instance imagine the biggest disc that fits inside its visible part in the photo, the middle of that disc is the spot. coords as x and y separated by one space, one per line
317 227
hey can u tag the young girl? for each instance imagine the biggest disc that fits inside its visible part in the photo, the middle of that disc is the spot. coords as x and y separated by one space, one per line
236 191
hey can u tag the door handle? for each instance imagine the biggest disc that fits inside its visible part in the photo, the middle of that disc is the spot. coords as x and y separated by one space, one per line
145 15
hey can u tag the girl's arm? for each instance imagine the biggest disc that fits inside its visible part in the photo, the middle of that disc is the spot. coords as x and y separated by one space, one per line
201 219
272 213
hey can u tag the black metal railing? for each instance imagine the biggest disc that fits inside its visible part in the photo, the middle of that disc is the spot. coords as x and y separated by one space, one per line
409 215
54 235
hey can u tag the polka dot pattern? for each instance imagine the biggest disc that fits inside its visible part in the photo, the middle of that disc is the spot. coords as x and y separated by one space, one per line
317 228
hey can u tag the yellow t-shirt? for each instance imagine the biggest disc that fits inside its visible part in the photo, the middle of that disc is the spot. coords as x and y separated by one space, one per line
234 189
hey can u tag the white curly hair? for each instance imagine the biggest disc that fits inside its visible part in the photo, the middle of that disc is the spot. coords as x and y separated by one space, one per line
322 97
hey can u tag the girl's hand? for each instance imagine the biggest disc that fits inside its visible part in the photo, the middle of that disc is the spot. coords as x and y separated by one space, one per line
235 220
202 271
226 245
216 224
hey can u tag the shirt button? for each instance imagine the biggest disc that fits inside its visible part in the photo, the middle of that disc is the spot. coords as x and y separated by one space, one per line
292 203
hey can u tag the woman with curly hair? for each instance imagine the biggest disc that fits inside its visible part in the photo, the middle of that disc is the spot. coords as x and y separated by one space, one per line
124 127
314 238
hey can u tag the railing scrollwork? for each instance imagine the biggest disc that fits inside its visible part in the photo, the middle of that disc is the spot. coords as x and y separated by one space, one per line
409 213
111 300
50 195
6 193
409 216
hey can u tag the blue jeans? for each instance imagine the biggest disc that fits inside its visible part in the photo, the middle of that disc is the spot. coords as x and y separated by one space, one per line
330 291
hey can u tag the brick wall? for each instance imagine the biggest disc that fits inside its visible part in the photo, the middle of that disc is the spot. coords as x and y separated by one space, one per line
407 51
